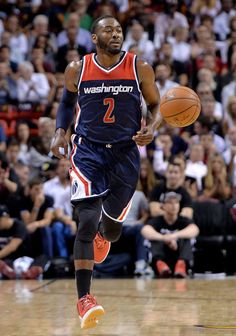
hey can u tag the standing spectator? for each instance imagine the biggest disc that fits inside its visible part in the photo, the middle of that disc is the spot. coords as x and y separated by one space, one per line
63 227
172 183
32 87
170 235
37 214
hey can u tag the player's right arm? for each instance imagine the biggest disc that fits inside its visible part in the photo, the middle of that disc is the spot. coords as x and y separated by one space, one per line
65 112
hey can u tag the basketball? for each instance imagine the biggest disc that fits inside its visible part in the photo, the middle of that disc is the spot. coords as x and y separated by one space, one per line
180 106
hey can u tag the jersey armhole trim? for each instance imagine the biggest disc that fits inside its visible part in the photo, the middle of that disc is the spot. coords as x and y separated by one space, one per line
136 72
81 72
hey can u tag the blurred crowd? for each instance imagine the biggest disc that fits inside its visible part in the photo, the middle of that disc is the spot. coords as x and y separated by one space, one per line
191 43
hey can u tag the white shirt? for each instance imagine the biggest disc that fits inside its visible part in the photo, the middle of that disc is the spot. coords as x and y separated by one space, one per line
221 23
227 92
180 50
145 46
40 82
83 39
168 85
19 48
197 170
60 194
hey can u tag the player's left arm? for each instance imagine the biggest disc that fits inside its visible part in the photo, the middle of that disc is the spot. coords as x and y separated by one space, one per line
152 98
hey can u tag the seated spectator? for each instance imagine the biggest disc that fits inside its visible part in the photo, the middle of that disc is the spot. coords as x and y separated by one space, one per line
162 153
206 76
222 20
5 58
163 81
18 42
32 87
22 135
204 91
147 180
131 238
8 181
173 182
12 235
195 167
8 92
230 156
63 226
83 37
3 139
208 110
137 35
36 211
170 235
230 114
216 185
72 43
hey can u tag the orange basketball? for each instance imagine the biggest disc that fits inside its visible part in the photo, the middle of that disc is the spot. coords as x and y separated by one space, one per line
180 106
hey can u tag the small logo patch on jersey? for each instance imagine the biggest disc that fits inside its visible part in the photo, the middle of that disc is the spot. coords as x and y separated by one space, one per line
74 187
114 89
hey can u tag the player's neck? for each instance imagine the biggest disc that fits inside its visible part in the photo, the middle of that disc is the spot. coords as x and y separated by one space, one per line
108 60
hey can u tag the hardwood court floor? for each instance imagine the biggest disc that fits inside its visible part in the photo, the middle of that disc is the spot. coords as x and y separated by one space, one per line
133 307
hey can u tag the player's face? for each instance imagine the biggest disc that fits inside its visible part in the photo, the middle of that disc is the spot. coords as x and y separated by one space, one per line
109 36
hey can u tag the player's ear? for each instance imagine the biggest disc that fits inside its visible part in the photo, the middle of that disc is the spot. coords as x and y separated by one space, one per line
94 38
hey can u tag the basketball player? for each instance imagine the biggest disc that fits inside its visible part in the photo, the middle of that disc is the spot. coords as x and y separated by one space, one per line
106 88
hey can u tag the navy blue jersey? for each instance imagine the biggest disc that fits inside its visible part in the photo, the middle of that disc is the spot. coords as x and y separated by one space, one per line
109 102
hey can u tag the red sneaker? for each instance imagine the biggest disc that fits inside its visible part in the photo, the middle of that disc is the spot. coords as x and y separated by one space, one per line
7 271
32 273
180 269
163 269
101 248
89 311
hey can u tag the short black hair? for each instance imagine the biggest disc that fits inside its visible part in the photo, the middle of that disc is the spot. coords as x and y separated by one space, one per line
96 22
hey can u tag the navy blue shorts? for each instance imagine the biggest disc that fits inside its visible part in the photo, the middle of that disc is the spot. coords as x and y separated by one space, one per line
108 171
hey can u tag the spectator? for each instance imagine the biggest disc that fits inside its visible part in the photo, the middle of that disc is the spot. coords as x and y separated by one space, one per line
22 134
170 235
230 156
8 92
5 57
204 91
147 180
72 43
31 87
163 81
12 235
222 20
195 167
172 183
162 154
12 152
3 138
18 42
131 239
136 35
8 181
37 214
63 227
169 20
83 37
216 185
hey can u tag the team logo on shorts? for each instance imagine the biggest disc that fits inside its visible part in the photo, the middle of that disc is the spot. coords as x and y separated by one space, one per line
74 187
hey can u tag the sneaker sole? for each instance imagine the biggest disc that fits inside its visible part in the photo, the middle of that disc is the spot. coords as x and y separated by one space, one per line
92 317
99 261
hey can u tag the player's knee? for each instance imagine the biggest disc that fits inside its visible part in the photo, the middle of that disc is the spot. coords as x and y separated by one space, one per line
113 233
87 230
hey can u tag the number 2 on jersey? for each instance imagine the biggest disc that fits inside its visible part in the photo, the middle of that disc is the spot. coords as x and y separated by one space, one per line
108 119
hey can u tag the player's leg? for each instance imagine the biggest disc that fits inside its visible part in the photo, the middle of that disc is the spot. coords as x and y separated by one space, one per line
89 212
117 204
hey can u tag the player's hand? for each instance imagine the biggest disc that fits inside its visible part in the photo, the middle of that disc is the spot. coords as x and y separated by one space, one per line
144 136
59 146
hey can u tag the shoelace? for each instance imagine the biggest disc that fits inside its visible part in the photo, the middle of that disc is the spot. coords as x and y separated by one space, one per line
100 242
87 300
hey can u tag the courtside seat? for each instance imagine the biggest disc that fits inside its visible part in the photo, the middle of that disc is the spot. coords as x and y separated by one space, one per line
209 253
